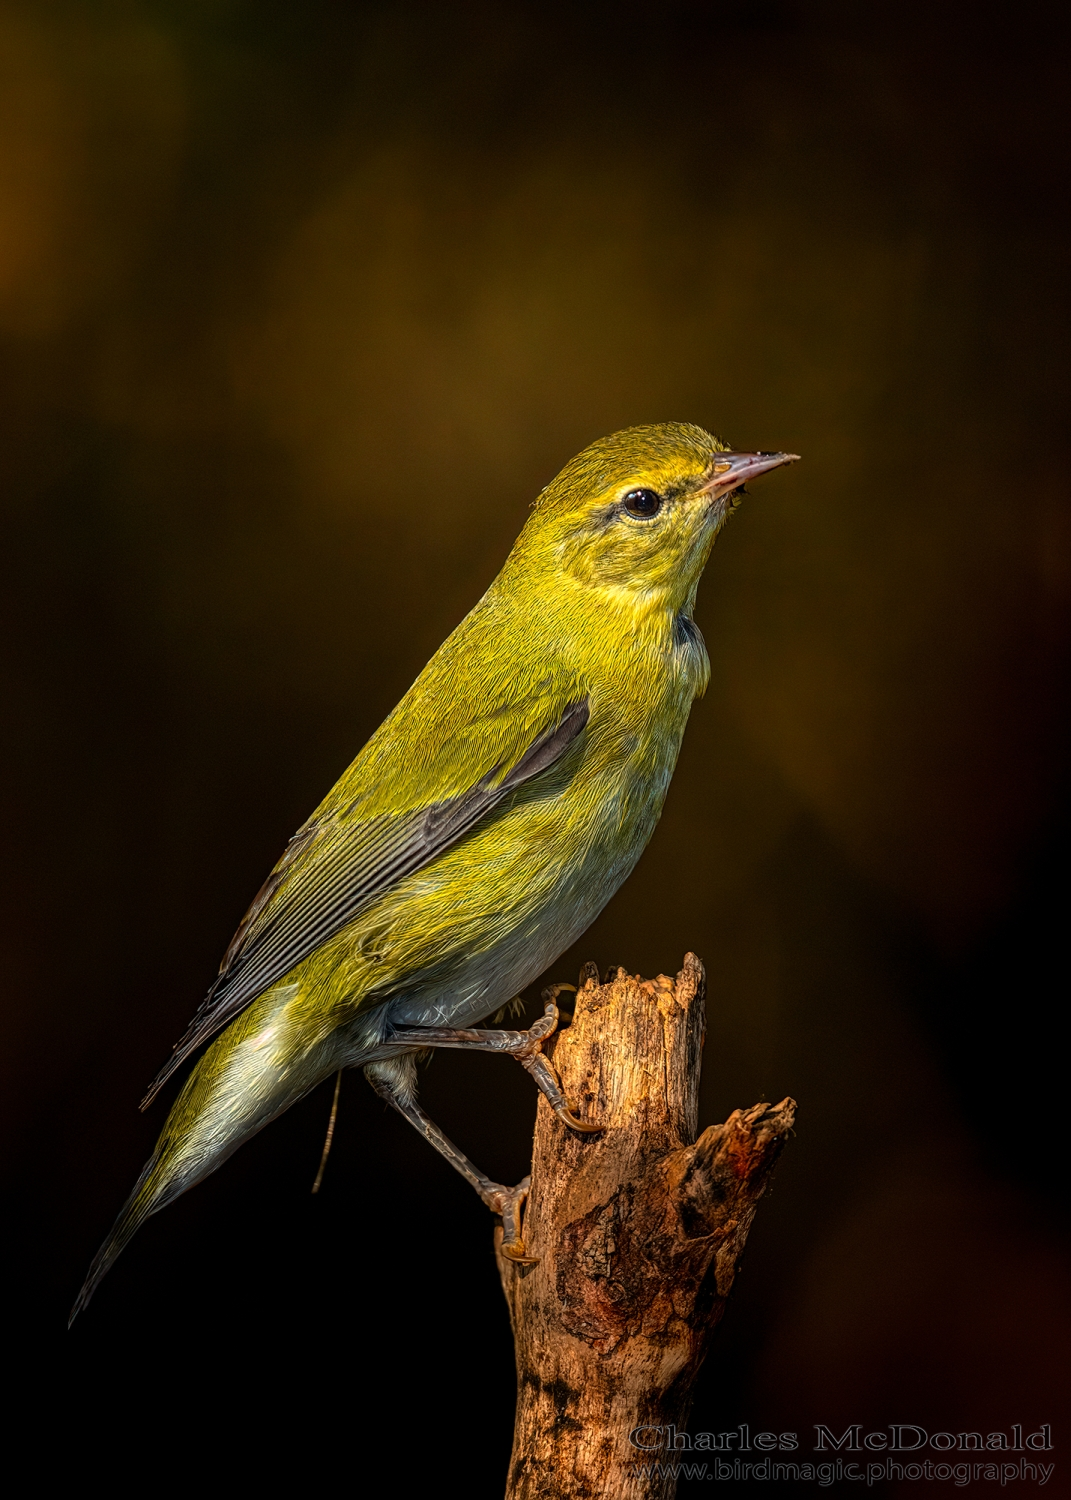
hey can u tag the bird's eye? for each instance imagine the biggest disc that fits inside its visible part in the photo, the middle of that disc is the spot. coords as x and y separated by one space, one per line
642 503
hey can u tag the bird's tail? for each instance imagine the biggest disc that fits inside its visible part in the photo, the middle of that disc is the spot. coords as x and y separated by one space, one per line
137 1208
265 1061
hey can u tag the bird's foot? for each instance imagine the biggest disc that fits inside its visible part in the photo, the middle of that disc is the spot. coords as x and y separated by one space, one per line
546 1080
528 1050
509 1202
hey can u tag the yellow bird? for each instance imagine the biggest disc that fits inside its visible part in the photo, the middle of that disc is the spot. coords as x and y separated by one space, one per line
481 829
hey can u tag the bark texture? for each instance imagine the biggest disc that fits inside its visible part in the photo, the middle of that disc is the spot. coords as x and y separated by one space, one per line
638 1231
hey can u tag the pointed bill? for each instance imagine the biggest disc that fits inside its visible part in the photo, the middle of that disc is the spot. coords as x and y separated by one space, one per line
731 470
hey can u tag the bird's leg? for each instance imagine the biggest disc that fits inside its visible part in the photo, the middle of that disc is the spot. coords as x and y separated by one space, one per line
525 1046
395 1085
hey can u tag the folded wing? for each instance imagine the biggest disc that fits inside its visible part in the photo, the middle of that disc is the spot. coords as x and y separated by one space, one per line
333 869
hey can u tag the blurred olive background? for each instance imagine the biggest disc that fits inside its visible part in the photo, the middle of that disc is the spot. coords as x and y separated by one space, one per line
300 305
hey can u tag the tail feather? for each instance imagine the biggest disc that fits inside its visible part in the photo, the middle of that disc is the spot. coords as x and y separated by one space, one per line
167 1174
250 1074
138 1207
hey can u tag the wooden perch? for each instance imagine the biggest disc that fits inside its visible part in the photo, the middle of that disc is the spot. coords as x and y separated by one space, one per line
637 1231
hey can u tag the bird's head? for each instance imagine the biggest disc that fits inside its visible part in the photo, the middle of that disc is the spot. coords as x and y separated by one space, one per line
637 512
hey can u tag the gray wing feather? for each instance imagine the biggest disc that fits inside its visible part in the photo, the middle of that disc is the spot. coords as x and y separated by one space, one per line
357 865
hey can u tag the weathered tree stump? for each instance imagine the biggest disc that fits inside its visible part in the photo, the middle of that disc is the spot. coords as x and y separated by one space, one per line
638 1231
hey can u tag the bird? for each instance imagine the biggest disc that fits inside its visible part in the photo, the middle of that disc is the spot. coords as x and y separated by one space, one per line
480 830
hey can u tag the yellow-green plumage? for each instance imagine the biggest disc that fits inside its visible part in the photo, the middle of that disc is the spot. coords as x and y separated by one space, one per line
592 608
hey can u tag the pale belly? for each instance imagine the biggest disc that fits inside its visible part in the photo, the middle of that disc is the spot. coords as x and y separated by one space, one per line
486 981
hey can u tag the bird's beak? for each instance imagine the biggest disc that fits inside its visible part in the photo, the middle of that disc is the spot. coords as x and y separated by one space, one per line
731 470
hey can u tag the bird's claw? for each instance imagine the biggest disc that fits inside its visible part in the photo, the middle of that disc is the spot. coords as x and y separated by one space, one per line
530 1056
567 1117
508 1202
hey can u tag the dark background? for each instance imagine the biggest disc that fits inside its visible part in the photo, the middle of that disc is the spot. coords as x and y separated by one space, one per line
300 304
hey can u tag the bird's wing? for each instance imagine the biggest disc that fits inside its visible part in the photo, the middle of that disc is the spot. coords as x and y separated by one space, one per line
333 868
